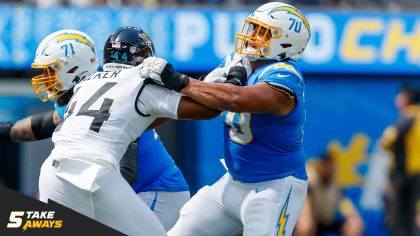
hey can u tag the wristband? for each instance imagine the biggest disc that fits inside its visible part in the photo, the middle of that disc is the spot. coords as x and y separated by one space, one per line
172 79
237 75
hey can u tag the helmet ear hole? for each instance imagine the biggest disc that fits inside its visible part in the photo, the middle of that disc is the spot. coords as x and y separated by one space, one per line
72 70
286 45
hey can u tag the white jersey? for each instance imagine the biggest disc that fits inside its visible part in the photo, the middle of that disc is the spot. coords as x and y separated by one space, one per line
108 111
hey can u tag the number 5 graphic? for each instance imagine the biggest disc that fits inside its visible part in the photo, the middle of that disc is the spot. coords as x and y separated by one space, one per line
16 221
240 130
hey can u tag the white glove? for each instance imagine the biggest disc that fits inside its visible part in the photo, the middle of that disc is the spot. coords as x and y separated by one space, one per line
217 76
239 60
163 73
152 68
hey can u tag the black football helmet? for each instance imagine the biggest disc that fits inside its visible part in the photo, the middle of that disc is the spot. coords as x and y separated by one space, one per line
128 45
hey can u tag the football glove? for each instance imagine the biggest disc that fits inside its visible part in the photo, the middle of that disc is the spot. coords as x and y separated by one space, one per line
217 76
163 73
237 74
238 60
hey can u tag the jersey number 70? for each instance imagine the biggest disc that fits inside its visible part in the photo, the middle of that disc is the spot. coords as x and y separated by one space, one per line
240 130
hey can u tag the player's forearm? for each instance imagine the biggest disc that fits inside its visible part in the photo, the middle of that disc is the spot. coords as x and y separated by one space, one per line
37 127
22 131
214 96
188 109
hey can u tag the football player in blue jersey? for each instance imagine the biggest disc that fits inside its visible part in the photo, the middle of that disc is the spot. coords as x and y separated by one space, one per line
152 172
265 188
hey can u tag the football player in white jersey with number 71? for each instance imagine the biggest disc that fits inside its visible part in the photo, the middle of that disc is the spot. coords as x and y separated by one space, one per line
107 112
265 188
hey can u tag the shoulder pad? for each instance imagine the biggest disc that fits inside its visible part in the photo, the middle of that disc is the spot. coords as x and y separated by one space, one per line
282 76
282 70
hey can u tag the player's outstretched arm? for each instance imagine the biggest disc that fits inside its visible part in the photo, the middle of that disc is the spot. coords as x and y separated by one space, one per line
188 109
258 98
36 127
163 103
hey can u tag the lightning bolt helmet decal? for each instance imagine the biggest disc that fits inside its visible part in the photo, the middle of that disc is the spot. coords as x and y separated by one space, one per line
69 36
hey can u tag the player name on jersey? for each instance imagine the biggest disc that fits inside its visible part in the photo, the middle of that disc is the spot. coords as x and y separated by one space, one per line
100 75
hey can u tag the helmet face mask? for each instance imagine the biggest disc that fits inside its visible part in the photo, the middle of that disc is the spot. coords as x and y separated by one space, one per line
47 82
128 45
290 33
65 56
256 39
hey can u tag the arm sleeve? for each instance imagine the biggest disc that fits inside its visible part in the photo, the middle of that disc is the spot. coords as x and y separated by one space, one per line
158 101
42 125
128 165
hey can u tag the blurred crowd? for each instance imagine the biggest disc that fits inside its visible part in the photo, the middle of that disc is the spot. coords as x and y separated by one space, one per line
374 5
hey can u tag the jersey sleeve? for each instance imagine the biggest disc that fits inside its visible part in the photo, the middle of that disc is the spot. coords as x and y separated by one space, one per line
284 78
158 101
60 110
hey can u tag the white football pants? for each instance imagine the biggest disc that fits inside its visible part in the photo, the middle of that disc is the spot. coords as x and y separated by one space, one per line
230 207
165 204
114 204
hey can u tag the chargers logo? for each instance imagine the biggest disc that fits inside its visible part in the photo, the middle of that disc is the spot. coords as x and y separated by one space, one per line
69 36
16 221
283 217
295 12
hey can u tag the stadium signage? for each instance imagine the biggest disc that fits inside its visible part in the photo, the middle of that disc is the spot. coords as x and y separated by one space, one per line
196 40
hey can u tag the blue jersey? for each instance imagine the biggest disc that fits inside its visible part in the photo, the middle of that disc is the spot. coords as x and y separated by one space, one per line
60 110
155 167
263 147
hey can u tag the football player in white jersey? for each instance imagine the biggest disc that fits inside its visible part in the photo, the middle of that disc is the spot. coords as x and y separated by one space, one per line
265 188
152 173
160 183
108 111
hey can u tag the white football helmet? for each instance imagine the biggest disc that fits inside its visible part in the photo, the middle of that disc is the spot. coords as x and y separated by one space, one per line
66 56
290 33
